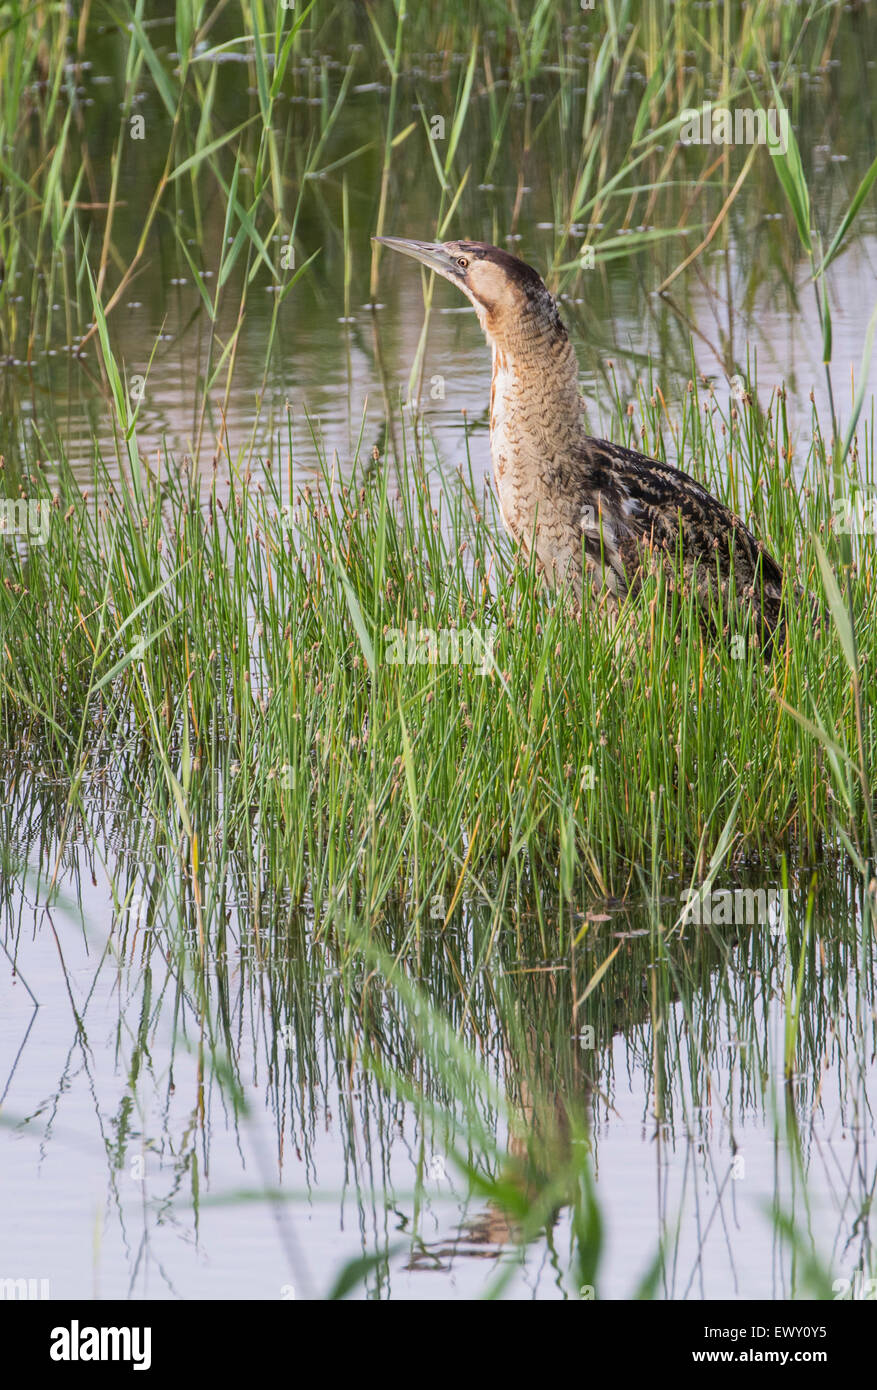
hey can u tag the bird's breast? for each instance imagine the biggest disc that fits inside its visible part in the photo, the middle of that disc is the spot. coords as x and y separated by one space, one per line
513 451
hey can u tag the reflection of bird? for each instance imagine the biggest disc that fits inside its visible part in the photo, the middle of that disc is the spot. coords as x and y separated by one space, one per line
593 507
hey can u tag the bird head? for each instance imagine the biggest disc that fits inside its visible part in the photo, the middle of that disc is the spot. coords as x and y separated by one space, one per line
504 290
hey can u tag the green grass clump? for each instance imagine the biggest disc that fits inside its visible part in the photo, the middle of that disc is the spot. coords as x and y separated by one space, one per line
302 658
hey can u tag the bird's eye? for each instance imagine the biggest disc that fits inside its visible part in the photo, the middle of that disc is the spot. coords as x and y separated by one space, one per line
462 262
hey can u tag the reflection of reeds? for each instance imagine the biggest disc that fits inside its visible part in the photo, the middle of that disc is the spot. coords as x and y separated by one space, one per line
466 1037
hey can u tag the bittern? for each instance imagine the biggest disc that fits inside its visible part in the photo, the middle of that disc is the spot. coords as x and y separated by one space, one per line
600 516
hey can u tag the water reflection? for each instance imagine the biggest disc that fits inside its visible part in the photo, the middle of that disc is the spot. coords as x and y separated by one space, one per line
239 1100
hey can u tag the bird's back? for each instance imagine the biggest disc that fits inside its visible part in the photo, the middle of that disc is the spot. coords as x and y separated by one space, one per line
638 511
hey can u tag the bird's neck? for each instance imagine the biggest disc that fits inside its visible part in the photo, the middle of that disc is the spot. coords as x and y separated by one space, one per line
535 387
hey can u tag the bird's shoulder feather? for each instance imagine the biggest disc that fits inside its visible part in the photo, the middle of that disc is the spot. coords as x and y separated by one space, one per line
647 502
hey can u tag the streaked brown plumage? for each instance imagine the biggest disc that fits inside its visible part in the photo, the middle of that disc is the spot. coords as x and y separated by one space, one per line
598 512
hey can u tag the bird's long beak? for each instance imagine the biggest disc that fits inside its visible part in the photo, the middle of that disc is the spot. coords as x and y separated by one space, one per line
430 253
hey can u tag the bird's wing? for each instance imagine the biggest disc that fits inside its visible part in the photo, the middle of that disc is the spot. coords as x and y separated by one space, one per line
647 505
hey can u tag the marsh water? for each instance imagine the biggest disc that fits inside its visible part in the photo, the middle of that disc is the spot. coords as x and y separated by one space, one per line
190 1119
